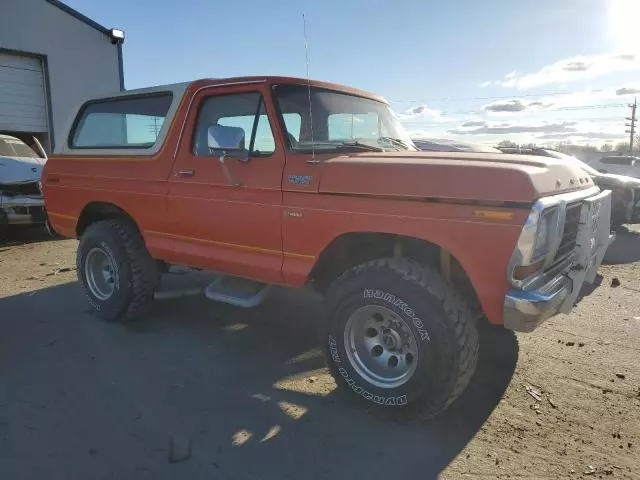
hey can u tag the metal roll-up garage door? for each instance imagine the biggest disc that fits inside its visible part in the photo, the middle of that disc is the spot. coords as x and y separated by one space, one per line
22 94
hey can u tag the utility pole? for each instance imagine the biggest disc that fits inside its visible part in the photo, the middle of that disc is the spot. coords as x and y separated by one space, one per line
632 124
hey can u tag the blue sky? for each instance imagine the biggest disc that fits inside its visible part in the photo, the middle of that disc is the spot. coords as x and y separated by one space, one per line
529 70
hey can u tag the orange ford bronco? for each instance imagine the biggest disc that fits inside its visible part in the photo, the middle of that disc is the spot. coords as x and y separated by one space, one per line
283 181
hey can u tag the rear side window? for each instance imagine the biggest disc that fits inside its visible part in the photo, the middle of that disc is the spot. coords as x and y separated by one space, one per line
123 122
616 160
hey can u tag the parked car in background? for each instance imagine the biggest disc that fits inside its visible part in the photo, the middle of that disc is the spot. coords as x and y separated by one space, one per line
21 200
446 145
618 164
625 196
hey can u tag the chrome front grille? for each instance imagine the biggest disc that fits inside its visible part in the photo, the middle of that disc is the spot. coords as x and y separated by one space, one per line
570 232
569 236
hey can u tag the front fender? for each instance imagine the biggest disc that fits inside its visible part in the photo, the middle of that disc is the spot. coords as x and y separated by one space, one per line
482 244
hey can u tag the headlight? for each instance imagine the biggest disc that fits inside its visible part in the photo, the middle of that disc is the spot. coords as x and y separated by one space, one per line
547 223
538 241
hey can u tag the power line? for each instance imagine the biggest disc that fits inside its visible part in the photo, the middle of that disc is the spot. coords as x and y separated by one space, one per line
561 109
586 107
455 99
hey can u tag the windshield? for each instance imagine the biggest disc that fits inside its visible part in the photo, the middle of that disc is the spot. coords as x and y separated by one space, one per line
12 147
338 121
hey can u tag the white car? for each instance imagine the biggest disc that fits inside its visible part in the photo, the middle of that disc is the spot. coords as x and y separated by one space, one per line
618 164
21 200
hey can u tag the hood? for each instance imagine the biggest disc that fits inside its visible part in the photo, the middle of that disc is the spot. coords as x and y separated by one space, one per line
452 175
20 169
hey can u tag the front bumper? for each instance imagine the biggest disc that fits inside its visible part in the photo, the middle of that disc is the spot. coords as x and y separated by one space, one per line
524 310
21 209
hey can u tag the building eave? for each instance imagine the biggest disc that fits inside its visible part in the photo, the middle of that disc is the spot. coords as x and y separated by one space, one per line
84 19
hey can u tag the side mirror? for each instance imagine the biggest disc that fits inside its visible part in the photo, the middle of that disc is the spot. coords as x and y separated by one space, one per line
224 138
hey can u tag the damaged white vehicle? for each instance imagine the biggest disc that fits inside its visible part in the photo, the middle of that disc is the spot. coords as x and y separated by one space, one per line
21 200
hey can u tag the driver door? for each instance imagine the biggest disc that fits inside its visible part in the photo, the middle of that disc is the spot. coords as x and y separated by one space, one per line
225 214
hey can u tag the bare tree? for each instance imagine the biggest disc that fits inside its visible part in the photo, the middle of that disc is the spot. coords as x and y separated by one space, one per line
507 144
621 147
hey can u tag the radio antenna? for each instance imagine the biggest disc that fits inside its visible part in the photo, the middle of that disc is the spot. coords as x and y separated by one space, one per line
313 160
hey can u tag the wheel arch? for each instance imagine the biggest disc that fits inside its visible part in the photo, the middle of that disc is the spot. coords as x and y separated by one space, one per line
94 212
353 248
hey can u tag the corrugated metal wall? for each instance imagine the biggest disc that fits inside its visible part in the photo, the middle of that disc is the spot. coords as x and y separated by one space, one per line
22 94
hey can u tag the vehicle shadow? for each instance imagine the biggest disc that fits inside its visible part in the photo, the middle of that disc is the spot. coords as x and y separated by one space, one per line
588 288
205 390
21 234
625 248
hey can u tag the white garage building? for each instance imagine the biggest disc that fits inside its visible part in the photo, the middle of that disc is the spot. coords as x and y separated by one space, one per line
51 59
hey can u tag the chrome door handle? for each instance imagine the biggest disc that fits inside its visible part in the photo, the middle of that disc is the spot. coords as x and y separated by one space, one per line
185 173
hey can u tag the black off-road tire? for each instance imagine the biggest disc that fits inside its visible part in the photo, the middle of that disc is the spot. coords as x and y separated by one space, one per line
444 327
136 272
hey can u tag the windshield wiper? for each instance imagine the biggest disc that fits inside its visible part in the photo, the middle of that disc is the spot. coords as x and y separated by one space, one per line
395 141
357 145
324 146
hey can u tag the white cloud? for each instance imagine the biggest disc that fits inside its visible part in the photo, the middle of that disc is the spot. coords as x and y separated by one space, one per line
580 67
554 102
486 84
421 111
506 128
629 90
474 123
579 98
585 131
513 105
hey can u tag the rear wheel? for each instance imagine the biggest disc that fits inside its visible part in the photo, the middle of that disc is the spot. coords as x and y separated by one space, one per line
399 337
115 270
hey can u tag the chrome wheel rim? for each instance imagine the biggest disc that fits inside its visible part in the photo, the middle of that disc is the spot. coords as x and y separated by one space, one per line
381 347
100 273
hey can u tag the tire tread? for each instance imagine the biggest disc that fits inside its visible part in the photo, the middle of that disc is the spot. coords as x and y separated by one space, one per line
461 324
144 274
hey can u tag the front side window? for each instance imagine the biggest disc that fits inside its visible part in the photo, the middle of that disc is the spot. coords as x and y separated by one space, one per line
330 120
240 110
123 122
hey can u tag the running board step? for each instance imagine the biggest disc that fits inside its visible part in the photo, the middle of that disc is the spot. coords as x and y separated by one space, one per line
237 291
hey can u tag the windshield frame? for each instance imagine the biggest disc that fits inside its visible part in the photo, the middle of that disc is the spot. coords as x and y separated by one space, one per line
342 145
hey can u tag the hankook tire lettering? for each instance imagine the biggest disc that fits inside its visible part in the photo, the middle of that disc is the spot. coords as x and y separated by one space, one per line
397 302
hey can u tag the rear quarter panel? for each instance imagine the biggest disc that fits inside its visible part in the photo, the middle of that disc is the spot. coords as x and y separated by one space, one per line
136 185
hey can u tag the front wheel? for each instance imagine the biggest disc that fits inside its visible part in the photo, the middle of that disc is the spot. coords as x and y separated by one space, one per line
398 336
